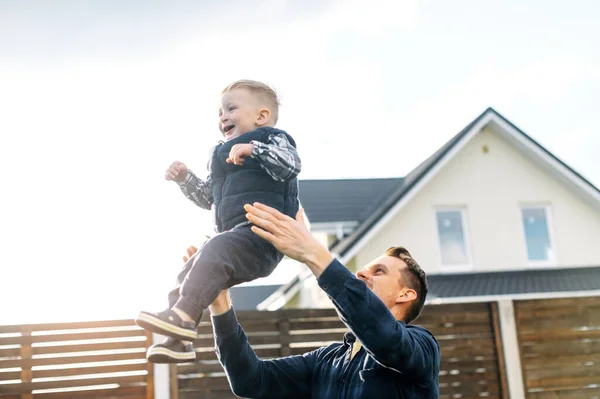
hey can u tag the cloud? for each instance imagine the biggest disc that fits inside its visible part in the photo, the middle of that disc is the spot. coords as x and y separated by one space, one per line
114 95
111 29
427 124
372 20
542 82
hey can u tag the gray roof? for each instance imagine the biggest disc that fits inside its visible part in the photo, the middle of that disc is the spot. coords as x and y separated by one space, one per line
514 282
248 297
421 171
348 200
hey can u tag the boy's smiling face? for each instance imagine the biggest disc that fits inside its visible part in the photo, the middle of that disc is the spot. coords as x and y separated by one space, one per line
241 112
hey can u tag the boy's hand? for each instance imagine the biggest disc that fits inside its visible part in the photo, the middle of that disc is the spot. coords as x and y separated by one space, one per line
176 172
239 153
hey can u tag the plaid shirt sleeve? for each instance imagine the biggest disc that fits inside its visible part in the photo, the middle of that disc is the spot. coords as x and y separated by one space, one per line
277 157
197 190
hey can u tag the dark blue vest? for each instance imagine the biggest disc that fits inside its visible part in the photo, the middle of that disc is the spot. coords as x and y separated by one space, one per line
234 186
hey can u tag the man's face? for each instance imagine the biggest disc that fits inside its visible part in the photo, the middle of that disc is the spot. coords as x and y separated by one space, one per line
238 113
384 277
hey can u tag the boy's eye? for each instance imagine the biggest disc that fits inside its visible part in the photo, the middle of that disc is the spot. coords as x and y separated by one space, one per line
231 108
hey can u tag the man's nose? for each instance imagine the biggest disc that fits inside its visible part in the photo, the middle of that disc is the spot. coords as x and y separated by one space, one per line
361 275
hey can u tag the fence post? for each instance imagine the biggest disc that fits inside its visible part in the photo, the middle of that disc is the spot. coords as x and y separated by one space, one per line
26 355
284 334
161 380
510 344
150 370
499 349
173 384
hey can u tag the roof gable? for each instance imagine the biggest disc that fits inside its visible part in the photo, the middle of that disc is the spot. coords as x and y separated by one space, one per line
423 173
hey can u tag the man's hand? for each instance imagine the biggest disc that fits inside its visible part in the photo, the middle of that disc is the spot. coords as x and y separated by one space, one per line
190 252
291 237
221 304
239 153
177 172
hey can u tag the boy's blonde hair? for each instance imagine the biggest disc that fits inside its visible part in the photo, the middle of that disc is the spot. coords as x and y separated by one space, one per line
265 92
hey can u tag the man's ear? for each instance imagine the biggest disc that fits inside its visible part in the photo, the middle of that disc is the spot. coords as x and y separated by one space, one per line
263 117
406 295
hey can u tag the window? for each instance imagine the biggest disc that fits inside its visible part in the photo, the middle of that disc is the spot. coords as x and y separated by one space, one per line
452 238
537 234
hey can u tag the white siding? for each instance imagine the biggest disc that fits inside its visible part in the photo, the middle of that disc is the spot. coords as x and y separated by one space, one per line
492 187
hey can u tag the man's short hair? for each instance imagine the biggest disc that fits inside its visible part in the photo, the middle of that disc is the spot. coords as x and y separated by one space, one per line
414 278
266 93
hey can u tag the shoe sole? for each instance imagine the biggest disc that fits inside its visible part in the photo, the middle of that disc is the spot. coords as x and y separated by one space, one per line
164 355
156 325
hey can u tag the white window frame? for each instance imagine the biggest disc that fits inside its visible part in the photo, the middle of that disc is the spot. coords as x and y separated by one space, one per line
552 261
445 268
339 229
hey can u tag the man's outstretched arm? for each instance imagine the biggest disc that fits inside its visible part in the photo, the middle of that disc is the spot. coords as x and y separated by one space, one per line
248 375
391 343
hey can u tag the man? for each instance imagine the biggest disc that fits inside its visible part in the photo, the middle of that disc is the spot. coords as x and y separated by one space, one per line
382 357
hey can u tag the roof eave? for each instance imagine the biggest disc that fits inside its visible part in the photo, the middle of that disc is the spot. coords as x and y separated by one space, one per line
513 297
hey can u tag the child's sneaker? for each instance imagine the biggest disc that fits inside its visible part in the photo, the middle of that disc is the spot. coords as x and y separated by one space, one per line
171 351
167 323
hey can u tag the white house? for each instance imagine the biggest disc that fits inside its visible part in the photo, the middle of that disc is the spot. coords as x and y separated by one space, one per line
492 214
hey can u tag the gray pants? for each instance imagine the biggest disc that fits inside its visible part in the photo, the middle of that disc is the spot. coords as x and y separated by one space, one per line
229 258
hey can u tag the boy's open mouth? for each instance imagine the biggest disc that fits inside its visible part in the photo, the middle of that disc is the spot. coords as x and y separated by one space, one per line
227 128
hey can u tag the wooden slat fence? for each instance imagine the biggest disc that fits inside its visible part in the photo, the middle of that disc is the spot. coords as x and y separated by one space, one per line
471 360
466 333
271 334
75 360
559 342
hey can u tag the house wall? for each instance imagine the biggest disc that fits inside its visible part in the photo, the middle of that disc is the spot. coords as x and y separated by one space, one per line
492 186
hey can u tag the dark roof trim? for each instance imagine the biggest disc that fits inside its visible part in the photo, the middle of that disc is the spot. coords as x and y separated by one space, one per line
514 282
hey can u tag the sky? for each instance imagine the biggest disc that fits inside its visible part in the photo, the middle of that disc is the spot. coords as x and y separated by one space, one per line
97 98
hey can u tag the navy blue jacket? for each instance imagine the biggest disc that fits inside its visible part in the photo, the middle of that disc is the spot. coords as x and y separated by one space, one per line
234 186
396 361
